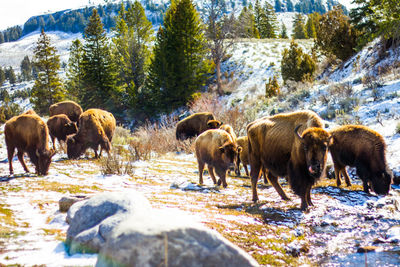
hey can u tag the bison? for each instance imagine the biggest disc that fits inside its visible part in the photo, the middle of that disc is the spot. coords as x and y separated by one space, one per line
271 141
195 124
96 127
69 108
28 133
216 149
229 130
361 147
60 126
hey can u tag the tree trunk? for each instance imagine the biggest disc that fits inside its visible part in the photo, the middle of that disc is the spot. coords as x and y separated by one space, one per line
219 81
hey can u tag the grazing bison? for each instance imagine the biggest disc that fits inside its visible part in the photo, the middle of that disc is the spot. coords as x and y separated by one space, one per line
96 127
69 108
271 141
243 156
361 147
216 149
28 133
60 126
195 124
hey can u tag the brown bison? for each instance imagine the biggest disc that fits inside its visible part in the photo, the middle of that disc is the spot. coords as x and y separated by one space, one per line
361 147
271 141
96 127
216 149
195 124
243 156
69 108
60 126
28 133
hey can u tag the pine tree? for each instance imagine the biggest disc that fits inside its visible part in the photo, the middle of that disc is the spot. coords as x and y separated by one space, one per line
179 67
74 74
259 18
10 75
299 31
26 69
2 76
283 33
48 88
310 27
99 72
271 24
289 6
296 65
247 23
1 37
133 35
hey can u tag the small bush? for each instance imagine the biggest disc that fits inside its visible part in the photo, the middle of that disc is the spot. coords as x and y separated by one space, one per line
7 111
117 162
272 87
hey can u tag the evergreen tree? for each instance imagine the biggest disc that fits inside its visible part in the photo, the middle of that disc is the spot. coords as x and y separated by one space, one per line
133 35
2 76
363 20
1 37
48 88
296 65
310 27
271 24
289 6
74 74
99 72
259 18
278 6
246 21
179 67
299 31
10 75
335 35
283 33
26 69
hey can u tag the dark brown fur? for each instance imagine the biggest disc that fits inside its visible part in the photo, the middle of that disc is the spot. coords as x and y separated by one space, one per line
60 126
195 124
69 108
361 147
96 127
271 142
28 133
216 149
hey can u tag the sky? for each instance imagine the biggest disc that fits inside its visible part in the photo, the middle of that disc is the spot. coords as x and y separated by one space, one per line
17 12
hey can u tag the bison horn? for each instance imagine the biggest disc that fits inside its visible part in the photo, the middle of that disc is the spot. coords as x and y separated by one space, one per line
297 133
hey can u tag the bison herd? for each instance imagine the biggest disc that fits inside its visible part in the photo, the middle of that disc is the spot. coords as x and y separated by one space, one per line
28 133
292 145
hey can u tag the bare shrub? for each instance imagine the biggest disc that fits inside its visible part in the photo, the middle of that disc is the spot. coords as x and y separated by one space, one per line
117 162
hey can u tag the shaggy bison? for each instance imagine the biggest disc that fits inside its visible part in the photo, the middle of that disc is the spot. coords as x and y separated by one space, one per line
60 126
216 149
69 108
271 146
195 124
361 147
229 130
29 112
96 127
28 133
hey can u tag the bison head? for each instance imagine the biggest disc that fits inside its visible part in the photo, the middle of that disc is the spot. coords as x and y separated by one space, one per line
315 143
44 160
213 124
74 147
229 152
381 182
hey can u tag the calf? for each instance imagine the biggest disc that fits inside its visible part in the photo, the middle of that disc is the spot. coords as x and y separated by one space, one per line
60 126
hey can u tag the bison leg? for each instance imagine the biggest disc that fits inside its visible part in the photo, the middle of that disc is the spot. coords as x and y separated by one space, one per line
255 174
212 175
308 196
346 176
21 159
304 205
274 181
337 174
265 174
10 154
53 139
246 170
201 168
222 177
237 166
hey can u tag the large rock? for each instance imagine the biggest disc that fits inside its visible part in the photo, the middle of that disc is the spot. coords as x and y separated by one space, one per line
91 221
163 238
